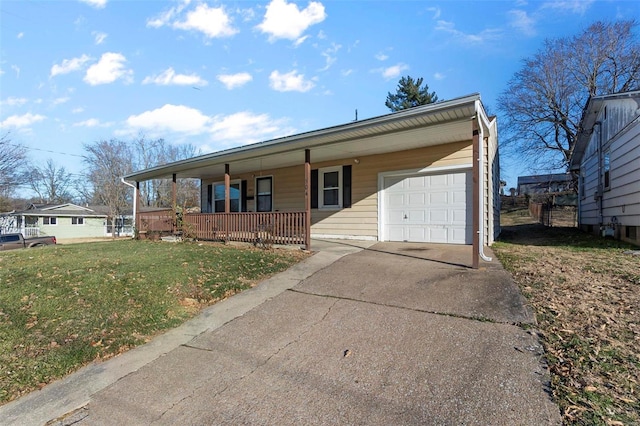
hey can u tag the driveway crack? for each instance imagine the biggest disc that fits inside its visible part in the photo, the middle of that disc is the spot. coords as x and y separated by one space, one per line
478 318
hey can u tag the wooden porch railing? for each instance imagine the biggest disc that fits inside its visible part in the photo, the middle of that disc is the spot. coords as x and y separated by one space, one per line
287 228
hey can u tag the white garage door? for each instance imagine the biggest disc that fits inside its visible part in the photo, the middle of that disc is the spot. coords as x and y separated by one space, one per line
434 208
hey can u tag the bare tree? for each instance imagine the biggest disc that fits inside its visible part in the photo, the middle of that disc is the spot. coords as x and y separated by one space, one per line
12 166
543 102
108 162
51 183
158 192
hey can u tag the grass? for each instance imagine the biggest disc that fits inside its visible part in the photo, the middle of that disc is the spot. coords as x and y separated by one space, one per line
62 307
586 294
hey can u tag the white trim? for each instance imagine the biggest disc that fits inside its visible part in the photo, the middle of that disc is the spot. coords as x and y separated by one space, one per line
408 172
255 193
343 237
321 173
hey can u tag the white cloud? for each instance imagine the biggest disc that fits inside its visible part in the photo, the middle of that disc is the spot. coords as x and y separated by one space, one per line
11 101
176 118
109 68
92 122
439 76
98 4
211 21
285 20
232 81
572 6
346 73
20 121
329 55
170 78
77 110
392 71
381 56
59 101
436 12
20 35
520 20
99 37
289 82
481 37
69 65
245 127
16 69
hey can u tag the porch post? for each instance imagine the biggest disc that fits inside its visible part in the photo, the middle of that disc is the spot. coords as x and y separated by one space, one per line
174 202
307 198
476 196
227 192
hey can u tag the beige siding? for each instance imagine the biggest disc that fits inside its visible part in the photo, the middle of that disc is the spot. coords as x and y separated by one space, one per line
360 220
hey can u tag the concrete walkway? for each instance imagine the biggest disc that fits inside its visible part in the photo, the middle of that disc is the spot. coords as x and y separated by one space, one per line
392 334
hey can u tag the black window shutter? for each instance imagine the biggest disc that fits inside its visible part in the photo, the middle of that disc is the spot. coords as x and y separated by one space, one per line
314 189
243 196
209 199
346 187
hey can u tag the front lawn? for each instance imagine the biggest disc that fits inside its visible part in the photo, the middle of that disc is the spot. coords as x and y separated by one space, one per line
586 294
62 307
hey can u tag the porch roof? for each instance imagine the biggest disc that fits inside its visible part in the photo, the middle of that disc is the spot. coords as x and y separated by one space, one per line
448 122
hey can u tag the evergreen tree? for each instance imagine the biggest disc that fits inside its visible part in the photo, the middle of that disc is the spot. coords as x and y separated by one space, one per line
410 94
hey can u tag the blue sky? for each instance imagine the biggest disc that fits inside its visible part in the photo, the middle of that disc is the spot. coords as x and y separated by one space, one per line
218 74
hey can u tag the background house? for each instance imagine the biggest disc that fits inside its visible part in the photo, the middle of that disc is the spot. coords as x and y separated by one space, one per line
544 184
607 158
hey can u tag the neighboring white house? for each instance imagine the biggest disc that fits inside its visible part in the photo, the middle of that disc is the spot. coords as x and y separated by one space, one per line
544 184
607 158
66 221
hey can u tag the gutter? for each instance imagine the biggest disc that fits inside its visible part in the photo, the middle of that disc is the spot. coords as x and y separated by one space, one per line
479 116
135 197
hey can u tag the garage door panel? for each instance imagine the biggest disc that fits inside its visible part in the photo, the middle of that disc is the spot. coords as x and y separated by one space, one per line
428 208
416 216
436 198
417 199
438 216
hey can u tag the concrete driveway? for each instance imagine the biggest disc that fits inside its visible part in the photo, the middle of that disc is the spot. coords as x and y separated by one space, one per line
392 334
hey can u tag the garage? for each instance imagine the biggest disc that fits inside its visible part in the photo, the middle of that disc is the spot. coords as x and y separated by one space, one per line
429 208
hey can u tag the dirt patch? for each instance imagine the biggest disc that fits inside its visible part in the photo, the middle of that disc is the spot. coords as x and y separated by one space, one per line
586 294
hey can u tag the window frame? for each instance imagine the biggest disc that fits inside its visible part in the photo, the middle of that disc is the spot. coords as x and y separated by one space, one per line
50 219
78 219
214 199
322 188
258 195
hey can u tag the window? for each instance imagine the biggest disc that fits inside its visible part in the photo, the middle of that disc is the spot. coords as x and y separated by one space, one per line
581 182
606 168
330 187
234 197
77 220
46 220
264 194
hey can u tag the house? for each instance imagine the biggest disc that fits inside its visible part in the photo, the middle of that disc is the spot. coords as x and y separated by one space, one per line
607 159
425 174
544 184
68 221
62 220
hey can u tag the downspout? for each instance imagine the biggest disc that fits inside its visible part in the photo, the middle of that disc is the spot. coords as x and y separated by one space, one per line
135 197
481 183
